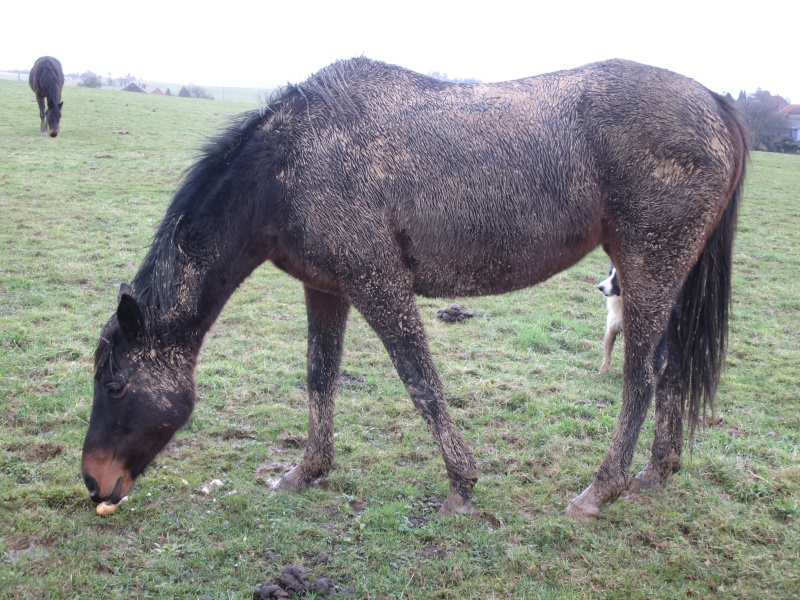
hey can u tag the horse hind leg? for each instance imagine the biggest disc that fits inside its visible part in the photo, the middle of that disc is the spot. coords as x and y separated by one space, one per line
665 455
327 319
645 320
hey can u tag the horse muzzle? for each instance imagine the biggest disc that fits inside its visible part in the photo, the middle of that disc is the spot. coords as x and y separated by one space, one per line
106 478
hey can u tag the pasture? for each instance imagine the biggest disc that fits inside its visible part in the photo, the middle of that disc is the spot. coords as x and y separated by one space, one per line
76 215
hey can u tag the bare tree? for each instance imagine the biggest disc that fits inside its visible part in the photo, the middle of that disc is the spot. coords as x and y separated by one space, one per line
90 80
760 111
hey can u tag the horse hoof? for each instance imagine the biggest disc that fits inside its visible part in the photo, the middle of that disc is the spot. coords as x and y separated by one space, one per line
455 504
642 483
448 509
290 482
583 513
586 507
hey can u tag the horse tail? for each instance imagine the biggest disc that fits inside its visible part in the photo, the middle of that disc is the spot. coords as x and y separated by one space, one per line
705 302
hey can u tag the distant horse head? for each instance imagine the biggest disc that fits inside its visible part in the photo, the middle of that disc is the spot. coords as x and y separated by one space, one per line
53 118
46 80
141 398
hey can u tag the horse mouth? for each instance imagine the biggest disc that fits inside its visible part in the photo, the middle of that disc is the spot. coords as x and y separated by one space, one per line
115 496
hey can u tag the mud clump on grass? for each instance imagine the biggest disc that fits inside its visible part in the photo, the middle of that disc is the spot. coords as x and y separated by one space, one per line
293 580
455 313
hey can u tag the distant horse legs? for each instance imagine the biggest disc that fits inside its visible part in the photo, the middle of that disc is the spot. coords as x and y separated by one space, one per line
42 113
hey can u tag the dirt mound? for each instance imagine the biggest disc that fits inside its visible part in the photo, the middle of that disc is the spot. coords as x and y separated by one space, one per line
292 580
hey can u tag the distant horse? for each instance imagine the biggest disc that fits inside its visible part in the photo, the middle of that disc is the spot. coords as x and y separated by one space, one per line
46 80
370 184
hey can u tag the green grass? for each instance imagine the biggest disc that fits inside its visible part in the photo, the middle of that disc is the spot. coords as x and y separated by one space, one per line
76 215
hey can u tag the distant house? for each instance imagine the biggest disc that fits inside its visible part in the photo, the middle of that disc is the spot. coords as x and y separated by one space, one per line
135 87
792 114
157 92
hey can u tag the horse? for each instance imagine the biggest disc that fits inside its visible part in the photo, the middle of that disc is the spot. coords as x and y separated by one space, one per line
371 184
46 80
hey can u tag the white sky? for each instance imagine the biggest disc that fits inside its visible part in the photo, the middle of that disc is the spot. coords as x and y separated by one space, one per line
724 44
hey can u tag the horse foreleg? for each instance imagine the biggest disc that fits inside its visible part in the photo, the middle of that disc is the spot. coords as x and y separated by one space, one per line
392 313
42 114
327 319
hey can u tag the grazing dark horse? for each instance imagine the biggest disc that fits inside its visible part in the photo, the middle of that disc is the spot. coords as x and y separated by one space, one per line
370 184
46 80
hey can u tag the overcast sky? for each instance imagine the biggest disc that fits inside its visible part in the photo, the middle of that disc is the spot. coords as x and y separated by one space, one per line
725 45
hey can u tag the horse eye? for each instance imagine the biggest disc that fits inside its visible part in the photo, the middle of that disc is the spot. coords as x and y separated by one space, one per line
117 389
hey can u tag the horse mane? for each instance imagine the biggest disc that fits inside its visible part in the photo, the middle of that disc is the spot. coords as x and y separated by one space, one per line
343 88
346 86
154 283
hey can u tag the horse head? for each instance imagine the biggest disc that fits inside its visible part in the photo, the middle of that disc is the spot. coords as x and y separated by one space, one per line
143 393
53 117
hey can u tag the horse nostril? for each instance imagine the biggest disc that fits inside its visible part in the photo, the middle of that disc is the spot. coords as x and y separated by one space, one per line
91 485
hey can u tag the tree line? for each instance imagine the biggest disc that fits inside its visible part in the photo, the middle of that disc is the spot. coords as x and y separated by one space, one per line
761 111
92 80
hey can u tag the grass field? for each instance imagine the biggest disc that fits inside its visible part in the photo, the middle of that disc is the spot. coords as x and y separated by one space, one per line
76 215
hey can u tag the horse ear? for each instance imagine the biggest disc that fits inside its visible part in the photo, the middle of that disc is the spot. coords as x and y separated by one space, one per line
124 288
129 314
60 104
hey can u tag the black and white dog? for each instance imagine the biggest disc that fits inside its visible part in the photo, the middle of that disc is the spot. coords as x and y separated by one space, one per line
610 289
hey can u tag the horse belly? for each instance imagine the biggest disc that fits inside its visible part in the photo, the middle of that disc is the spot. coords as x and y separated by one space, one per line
447 266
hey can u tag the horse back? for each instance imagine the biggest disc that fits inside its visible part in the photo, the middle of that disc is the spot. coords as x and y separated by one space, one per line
47 78
478 188
486 188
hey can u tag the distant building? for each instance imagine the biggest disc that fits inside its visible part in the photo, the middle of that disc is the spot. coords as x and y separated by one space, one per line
792 114
135 87
157 92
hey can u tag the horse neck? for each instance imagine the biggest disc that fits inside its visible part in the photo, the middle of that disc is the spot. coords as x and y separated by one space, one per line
48 80
53 96
193 268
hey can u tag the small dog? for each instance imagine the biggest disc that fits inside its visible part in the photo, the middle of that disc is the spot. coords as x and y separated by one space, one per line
610 289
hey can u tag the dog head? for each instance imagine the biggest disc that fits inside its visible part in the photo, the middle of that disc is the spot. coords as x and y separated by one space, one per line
610 285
